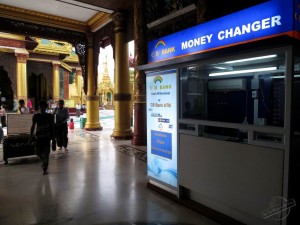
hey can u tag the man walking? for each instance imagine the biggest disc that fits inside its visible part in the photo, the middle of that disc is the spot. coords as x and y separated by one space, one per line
61 115
78 108
44 124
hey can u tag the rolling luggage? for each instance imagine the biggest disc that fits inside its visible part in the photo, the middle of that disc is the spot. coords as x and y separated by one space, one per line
17 146
16 143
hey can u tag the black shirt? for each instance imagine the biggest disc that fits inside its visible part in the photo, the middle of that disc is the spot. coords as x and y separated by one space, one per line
44 123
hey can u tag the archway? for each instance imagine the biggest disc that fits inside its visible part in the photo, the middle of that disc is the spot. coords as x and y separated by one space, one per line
6 90
37 89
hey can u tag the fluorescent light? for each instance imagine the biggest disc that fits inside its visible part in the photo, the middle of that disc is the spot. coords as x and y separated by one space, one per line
252 59
243 71
277 77
280 77
220 68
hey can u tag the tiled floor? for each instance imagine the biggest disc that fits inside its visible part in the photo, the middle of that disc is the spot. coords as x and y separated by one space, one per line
98 181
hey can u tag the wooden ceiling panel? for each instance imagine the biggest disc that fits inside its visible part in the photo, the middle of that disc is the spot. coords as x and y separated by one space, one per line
111 4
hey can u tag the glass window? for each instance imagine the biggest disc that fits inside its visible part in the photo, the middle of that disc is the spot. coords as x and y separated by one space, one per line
295 99
61 83
247 90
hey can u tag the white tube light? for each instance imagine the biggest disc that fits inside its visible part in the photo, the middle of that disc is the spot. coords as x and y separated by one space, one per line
220 68
243 71
252 59
280 77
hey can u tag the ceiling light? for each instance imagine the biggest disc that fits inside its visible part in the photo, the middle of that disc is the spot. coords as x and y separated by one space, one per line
252 59
220 68
280 77
243 71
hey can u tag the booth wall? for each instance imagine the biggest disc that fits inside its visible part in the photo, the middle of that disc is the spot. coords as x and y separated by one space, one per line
236 179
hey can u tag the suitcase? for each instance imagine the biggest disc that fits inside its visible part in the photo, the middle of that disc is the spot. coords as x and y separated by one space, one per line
17 146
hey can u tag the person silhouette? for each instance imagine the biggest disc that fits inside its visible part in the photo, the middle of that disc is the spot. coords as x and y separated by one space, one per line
44 123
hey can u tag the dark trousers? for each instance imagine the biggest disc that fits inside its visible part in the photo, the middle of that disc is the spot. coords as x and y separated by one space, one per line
77 112
3 121
61 134
42 150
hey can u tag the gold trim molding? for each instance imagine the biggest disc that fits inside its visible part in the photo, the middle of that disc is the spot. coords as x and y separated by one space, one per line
12 36
66 66
12 12
72 58
6 50
97 20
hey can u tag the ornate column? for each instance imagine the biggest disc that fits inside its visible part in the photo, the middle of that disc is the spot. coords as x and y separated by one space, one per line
66 84
140 48
55 80
78 82
21 75
122 94
92 99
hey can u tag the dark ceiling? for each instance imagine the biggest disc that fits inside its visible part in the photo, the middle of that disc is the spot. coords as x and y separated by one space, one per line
114 5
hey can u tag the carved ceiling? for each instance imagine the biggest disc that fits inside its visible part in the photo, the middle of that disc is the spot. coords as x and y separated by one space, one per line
82 15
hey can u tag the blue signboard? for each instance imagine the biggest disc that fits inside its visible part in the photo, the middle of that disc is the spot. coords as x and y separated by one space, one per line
161 144
269 19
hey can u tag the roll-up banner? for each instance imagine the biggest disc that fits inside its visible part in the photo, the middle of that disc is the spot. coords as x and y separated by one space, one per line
162 126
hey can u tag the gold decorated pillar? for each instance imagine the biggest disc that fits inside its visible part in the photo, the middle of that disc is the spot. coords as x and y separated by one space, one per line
92 99
122 96
55 80
78 80
21 74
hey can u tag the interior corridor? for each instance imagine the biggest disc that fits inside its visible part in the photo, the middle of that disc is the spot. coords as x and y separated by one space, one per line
98 181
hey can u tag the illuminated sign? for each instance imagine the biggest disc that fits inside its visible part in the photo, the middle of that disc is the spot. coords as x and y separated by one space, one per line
269 19
297 18
162 126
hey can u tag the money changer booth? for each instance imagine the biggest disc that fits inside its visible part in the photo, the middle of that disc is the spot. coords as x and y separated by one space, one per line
223 114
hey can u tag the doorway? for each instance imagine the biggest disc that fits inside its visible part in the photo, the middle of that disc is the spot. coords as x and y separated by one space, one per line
6 91
37 89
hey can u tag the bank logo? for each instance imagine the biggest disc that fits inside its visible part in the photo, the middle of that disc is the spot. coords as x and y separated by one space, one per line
158 79
160 42
161 49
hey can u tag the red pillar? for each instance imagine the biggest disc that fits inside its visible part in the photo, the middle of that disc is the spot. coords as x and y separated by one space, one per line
140 42
66 84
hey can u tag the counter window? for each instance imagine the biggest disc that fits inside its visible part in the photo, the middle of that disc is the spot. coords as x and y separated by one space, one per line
248 90
296 100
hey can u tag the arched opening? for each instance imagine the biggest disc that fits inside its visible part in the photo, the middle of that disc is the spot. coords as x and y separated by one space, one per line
106 77
6 91
37 88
